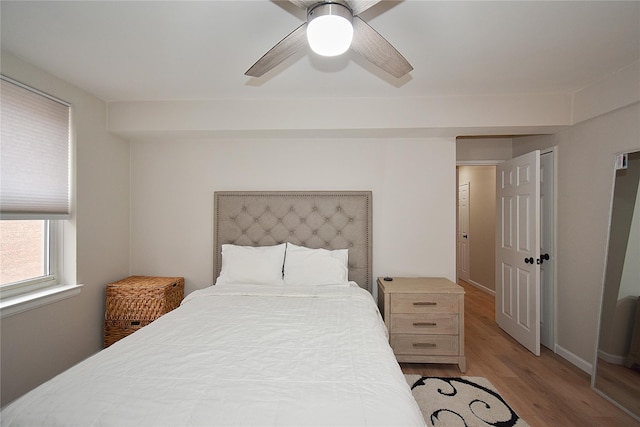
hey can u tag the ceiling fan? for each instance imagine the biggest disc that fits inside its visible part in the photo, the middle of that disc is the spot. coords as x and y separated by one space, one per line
358 35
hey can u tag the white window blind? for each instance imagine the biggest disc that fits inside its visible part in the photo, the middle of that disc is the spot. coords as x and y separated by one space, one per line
34 154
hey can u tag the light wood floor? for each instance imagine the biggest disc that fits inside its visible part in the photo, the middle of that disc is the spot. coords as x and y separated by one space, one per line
621 383
545 390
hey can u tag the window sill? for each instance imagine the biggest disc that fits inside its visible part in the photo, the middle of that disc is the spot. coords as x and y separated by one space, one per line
21 303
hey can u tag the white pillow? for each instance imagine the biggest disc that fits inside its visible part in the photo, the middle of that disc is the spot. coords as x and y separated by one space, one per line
260 265
309 267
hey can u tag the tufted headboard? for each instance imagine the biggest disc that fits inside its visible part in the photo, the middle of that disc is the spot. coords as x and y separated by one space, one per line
315 219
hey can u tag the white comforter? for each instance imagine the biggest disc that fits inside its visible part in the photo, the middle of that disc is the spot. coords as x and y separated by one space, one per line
237 355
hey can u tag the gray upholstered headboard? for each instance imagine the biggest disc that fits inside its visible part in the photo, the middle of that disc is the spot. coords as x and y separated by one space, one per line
315 219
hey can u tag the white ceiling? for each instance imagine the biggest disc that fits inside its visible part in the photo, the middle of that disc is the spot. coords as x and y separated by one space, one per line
181 50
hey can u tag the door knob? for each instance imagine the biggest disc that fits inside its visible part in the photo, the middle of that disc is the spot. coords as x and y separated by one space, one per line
528 260
464 235
543 258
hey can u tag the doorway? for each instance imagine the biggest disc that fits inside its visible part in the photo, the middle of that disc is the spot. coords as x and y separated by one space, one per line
476 225
481 246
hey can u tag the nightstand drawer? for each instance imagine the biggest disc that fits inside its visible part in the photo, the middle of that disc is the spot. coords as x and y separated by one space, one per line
424 303
440 324
425 319
425 344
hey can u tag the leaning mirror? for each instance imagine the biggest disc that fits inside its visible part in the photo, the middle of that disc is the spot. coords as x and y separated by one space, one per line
617 362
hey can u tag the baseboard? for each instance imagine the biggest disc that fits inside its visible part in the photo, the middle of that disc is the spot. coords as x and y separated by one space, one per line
481 287
611 358
575 360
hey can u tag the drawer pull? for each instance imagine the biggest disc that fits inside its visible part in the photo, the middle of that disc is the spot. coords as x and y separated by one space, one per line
424 345
423 303
424 324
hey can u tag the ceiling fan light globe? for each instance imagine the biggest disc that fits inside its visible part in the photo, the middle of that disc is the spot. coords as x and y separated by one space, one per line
329 35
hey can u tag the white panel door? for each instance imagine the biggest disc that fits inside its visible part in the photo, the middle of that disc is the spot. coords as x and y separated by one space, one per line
463 231
518 249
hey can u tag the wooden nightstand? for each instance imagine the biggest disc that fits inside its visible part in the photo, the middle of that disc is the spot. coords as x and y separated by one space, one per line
425 319
136 301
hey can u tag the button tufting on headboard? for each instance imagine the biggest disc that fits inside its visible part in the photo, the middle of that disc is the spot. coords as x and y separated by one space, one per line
333 220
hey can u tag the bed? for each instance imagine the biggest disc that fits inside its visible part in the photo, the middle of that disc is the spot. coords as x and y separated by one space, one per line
302 346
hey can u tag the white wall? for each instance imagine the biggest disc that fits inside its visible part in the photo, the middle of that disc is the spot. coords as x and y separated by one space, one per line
173 181
40 343
434 116
483 149
585 158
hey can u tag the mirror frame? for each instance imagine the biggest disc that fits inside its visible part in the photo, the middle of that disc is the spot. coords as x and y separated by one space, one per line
594 369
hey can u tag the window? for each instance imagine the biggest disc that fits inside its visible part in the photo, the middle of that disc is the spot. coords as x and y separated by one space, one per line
24 250
26 254
34 192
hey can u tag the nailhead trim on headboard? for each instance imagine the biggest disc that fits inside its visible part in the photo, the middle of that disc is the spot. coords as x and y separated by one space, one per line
315 219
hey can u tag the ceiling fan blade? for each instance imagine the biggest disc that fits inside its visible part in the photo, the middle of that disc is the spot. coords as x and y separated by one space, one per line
359 6
286 47
377 50
356 6
304 4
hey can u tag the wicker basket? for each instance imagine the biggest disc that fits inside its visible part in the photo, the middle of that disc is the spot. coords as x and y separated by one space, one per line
136 301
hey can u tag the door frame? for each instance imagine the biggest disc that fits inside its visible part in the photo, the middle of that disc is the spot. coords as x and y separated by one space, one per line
554 150
470 163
